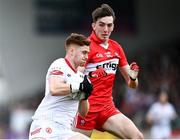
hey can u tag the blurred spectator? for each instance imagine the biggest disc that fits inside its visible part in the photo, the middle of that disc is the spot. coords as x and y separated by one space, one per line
20 119
159 116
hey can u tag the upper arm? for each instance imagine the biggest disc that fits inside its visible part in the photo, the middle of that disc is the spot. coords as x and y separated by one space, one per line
123 64
56 80
150 114
174 114
55 75
124 71
58 86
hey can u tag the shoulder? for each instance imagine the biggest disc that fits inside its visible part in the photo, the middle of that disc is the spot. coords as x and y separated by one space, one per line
57 67
155 105
58 63
59 60
170 105
114 43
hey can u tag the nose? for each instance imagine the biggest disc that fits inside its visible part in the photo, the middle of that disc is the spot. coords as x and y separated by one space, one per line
105 28
86 56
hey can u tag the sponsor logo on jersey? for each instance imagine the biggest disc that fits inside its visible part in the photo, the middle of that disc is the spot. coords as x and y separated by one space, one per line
82 122
108 54
108 66
99 55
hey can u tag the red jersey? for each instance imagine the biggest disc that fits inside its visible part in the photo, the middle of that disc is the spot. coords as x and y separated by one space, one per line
110 58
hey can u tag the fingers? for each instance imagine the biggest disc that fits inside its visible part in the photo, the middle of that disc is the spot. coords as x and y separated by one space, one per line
100 72
134 66
134 70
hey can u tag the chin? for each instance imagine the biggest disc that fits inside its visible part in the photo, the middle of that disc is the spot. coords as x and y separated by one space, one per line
104 39
82 65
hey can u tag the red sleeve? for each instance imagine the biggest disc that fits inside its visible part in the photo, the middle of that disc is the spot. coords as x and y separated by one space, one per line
123 59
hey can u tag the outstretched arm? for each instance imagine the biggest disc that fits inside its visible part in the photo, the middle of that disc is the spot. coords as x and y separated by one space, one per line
130 73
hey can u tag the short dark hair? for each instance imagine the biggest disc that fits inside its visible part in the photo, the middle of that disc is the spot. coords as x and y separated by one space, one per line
103 11
78 39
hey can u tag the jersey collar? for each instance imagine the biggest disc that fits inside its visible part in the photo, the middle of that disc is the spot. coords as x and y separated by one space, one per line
95 38
69 64
98 40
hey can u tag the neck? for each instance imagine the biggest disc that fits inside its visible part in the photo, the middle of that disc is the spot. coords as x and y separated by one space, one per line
105 42
69 60
97 39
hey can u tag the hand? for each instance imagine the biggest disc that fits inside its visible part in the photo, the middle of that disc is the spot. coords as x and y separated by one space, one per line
134 70
86 87
100 72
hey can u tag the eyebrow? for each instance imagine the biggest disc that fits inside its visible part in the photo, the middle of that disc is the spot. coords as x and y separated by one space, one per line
104 22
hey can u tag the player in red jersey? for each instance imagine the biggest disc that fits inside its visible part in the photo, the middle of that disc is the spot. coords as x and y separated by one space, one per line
105 56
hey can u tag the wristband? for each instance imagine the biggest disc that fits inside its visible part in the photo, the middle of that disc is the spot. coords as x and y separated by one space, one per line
132 78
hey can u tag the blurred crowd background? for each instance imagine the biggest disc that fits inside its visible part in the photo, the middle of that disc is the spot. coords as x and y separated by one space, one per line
32 34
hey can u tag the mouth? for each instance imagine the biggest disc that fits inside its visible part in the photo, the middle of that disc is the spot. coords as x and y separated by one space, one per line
82 64
105 35
83 61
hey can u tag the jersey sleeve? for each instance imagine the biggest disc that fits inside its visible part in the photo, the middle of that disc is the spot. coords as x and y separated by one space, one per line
173 111
151 111
56 69
122 59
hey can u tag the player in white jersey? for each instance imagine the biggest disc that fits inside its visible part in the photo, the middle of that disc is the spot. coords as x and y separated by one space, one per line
67 91
160 115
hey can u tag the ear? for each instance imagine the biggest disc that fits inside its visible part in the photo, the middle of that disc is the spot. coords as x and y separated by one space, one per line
71 50
93 25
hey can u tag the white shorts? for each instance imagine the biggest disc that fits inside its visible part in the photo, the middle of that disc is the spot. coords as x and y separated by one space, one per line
49 130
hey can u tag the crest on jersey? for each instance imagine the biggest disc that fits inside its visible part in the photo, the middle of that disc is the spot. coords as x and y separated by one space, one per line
99 55
82 122
48 130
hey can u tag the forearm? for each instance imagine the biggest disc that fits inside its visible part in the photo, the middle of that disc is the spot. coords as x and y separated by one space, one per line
83 107
130 75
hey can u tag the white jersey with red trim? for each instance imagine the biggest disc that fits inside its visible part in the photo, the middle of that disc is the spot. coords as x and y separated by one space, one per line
61 109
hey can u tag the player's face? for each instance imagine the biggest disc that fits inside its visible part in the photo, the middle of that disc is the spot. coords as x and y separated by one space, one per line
103 27
81 55
163 98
